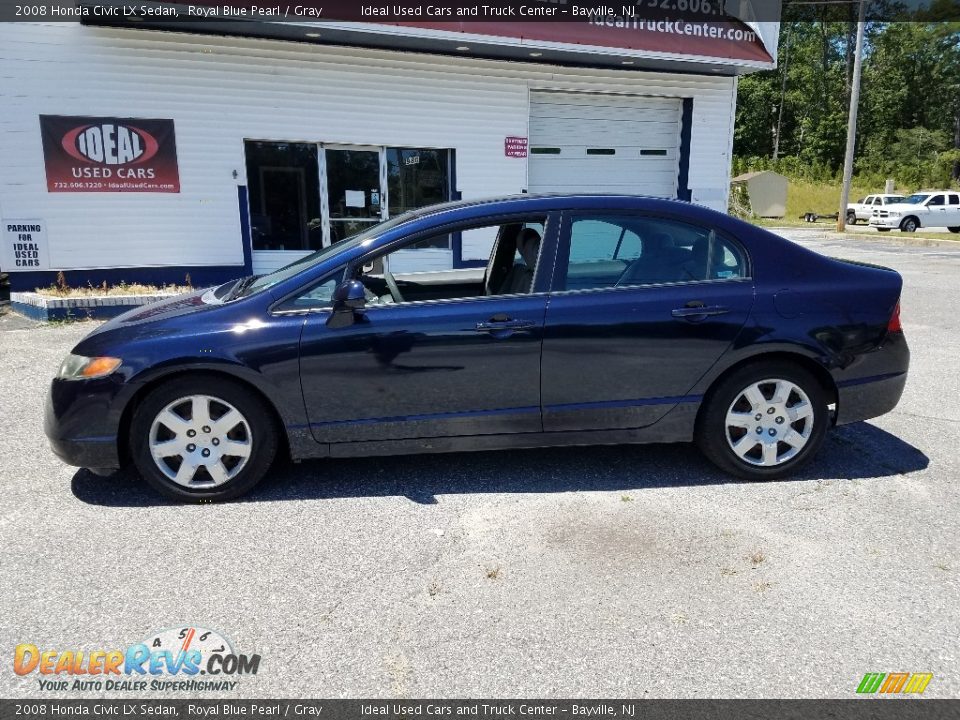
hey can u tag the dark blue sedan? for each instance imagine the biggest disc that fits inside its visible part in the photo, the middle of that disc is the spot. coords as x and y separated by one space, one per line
597 320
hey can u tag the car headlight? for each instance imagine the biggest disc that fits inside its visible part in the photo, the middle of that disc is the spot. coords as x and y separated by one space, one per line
78 367
893 213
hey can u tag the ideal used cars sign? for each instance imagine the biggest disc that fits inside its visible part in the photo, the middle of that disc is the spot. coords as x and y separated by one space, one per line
109 154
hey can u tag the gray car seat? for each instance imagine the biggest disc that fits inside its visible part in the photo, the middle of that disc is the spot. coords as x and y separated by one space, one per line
661 261
519 279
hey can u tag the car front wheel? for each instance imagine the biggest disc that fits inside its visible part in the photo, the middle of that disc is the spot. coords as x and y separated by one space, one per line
202 439
909 225
764 421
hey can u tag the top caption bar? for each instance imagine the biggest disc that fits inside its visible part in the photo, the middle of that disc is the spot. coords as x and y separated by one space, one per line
612 13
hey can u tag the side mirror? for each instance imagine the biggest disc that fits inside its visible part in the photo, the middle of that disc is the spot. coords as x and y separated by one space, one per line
348 298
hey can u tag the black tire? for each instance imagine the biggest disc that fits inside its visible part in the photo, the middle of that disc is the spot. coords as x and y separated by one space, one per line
851 218
883 229
909 224
711 433
259 431
955 229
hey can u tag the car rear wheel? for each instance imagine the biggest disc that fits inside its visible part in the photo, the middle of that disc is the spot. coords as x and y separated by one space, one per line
851 218
202 439
909 225
764 421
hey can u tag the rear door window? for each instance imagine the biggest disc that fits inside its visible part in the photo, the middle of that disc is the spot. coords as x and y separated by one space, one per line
627 250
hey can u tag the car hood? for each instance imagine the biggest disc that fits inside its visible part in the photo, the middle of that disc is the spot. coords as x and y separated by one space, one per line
191 303
904 207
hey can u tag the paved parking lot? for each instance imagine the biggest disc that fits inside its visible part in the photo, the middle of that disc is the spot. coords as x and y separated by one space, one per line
634 571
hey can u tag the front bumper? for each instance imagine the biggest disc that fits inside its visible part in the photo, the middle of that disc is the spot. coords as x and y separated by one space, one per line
885 222
81 419
93 453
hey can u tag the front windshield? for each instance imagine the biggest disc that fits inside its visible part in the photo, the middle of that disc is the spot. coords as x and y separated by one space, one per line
916 199
893 199
261 283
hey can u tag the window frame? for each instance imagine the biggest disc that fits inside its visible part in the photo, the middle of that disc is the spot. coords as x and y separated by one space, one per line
562 260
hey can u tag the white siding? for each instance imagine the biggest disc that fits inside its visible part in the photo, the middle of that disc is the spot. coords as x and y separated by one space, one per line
222 90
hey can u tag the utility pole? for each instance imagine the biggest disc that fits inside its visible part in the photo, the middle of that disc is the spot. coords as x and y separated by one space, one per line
783 95
852 120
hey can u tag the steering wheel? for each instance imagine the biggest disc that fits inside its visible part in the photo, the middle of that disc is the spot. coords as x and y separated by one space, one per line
392 286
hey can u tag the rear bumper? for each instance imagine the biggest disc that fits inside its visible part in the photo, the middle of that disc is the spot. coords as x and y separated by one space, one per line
879 383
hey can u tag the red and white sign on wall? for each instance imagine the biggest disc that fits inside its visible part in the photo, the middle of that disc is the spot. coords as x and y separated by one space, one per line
108 154
515 146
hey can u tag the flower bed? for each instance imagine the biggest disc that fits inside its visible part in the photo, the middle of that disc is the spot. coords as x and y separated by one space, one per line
45 307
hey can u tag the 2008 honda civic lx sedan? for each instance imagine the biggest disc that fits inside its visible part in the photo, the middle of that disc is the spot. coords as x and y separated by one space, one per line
597 320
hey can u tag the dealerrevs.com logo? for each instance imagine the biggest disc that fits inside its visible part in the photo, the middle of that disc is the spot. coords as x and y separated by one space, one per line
182 659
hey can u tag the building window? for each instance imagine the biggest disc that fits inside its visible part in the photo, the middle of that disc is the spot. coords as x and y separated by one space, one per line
417 177
284 191
286 206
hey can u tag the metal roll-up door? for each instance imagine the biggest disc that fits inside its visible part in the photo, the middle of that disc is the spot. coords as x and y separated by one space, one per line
582 142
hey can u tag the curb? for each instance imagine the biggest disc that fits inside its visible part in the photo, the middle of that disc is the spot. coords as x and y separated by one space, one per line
876 237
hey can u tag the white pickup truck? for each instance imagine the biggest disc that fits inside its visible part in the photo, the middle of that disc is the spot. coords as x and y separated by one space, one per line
930 208
863 208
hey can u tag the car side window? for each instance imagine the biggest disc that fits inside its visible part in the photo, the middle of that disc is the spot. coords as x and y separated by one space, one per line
955 199
936 200
613 251
869 200
317 296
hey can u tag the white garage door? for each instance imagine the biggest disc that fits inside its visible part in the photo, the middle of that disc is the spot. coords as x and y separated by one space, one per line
604 143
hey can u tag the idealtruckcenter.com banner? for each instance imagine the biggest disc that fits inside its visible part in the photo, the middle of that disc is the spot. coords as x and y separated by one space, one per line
109 154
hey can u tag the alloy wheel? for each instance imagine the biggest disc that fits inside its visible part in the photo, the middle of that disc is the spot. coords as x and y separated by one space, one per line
200 441
769 422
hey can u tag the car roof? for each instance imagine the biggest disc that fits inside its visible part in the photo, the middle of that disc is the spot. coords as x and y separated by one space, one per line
546 202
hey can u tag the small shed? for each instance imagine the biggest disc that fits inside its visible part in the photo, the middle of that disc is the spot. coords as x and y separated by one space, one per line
767 191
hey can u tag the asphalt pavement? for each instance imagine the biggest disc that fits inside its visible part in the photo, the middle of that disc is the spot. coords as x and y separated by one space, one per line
600 572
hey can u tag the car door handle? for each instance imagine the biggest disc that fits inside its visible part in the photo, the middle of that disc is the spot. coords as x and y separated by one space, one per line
698 310
498 325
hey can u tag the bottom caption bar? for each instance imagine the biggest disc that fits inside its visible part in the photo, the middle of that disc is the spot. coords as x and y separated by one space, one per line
874 709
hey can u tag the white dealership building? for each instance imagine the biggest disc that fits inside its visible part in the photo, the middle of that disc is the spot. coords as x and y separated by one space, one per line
144 151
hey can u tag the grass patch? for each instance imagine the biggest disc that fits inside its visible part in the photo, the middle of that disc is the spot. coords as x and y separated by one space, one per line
60 289
804 196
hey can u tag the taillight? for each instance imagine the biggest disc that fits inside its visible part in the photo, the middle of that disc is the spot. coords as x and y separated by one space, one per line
894 324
